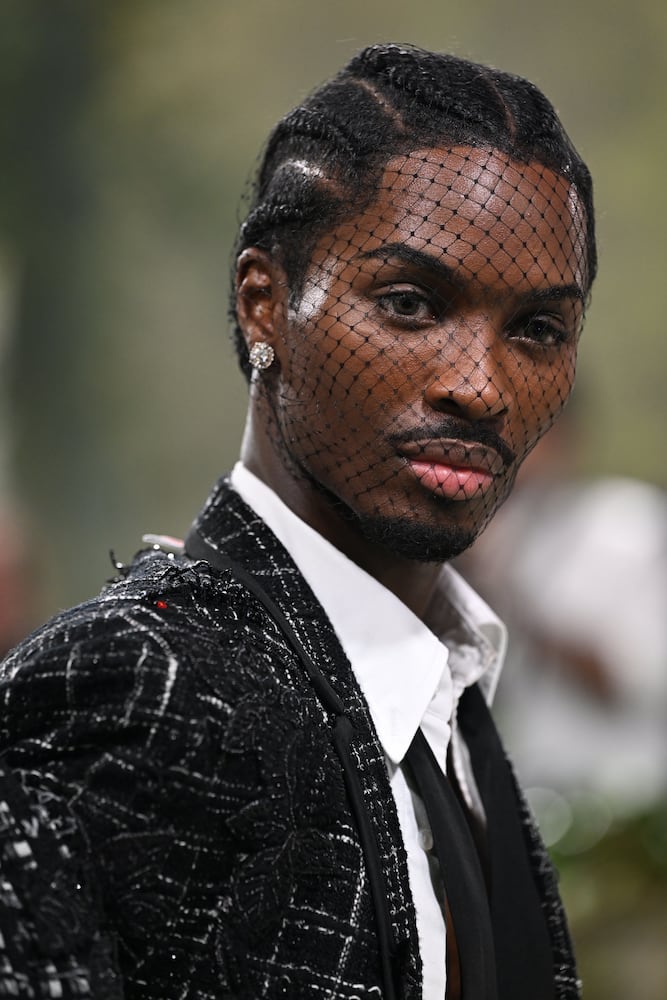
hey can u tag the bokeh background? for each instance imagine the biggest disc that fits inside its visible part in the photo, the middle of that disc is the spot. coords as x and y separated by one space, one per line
127 134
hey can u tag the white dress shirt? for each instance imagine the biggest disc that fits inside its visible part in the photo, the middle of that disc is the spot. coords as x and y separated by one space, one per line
412 675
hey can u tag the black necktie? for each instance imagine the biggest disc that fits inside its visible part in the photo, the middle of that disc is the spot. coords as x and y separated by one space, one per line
524 957
465 890
502 937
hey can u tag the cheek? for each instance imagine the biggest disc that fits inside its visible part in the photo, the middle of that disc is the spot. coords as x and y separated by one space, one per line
339 355
540 391
370 374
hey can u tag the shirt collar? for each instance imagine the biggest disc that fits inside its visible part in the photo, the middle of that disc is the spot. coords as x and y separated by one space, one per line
399 662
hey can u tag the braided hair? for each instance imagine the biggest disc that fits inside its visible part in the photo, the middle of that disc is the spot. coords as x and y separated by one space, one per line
323 160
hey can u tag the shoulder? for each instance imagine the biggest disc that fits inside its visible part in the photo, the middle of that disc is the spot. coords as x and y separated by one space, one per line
145 647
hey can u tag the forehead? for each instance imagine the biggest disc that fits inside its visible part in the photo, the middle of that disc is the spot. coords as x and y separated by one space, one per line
498 221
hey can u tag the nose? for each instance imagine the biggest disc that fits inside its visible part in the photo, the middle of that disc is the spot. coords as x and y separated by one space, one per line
469 379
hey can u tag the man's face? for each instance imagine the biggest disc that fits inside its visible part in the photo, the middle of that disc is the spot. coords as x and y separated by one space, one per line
433 344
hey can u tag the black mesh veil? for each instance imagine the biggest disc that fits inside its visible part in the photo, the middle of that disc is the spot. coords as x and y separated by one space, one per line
418 254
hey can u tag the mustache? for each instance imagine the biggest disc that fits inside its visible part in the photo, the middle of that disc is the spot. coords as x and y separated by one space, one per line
455 429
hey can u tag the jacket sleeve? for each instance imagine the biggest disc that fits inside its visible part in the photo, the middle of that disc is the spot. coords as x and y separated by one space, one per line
52 939
93 737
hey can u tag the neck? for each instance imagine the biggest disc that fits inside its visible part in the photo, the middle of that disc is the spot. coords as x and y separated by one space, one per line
412 581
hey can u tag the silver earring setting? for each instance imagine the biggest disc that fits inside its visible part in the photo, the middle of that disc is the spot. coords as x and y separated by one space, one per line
261 356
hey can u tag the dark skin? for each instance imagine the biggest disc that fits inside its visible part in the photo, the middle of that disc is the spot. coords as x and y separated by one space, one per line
433 344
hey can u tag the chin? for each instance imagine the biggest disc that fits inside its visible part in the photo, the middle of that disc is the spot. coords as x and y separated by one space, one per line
418 542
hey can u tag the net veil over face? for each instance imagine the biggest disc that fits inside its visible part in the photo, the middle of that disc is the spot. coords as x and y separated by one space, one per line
431 342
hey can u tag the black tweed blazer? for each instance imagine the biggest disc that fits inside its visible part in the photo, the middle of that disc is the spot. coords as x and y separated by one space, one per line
174 817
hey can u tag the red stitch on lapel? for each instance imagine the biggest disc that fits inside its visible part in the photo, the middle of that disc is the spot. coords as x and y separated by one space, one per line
162 605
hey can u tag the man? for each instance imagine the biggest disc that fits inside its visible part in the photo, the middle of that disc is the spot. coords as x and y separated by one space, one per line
250 737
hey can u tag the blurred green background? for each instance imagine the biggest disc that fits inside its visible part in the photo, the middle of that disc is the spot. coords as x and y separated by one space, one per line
127 134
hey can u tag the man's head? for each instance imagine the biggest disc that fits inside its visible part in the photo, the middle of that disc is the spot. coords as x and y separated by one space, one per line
418 253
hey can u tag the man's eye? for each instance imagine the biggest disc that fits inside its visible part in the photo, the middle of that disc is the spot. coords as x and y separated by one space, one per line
407 305
544 330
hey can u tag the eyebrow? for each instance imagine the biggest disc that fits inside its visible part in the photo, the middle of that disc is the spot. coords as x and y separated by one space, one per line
426 261
410 255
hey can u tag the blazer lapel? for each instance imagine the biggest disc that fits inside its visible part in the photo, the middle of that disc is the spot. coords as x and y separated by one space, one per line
233 529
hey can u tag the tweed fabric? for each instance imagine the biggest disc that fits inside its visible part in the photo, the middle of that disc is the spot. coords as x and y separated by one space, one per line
52 941
175 727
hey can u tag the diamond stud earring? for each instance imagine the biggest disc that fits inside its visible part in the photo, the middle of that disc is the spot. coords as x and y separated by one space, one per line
261 356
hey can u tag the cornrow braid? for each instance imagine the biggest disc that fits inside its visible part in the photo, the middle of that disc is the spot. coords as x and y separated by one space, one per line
295 181
324 159
311 125
397 68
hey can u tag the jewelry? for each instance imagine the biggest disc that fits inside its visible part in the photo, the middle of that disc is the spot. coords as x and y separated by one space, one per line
261 355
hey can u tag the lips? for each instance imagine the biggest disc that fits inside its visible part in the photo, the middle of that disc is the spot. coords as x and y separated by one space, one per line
458 470
450 451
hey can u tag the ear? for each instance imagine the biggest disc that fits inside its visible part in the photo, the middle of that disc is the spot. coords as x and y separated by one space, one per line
261 295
